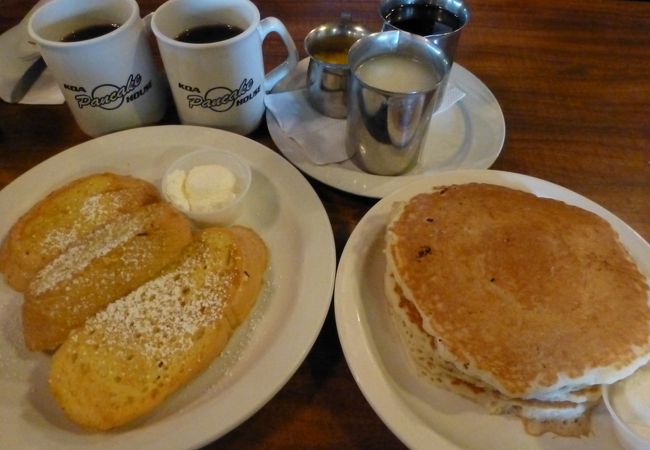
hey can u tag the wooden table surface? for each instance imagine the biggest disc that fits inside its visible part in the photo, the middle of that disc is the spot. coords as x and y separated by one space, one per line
573 81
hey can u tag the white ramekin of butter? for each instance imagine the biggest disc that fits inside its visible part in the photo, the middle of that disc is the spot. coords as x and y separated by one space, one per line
628 402
208 185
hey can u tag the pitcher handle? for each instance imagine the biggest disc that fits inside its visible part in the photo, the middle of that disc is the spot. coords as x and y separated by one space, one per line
270 25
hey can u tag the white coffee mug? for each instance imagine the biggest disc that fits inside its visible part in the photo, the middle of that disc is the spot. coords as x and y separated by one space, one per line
219 84
109 82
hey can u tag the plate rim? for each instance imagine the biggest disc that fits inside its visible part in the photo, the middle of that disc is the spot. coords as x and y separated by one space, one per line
363 362
297 320
380 185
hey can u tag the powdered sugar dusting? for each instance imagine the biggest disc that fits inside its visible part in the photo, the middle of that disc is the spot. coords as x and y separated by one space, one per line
92 206
246 332
60 239
95 209
99 242
165 315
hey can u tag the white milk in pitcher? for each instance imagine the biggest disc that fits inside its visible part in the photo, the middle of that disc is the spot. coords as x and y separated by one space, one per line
397 73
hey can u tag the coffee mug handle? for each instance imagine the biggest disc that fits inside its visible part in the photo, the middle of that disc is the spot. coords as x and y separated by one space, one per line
270 25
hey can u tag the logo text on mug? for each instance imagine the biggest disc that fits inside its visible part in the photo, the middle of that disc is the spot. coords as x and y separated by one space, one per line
221 99
110 96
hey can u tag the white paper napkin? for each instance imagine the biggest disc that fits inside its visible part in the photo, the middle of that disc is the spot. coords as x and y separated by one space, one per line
322 138
17 55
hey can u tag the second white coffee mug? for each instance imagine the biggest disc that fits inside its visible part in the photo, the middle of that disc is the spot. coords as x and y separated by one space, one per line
219 83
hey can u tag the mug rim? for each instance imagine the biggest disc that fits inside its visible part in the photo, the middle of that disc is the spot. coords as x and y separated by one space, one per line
171 41
134 15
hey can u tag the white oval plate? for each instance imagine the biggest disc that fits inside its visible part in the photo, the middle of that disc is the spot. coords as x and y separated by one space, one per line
420 414
469 135
263 354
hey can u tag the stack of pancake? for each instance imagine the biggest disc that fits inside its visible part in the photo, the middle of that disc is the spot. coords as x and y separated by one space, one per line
526 305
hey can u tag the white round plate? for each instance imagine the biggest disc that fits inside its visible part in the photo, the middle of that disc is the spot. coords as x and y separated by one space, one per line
468 135
264 352
420 414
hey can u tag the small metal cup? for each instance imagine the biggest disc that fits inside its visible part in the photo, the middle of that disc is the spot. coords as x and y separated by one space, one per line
326 80
385 130
446 40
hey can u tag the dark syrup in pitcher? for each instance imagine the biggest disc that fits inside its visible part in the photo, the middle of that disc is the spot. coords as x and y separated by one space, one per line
205 34
423 19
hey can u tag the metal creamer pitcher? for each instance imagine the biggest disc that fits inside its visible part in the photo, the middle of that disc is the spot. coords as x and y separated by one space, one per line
386 128
328 72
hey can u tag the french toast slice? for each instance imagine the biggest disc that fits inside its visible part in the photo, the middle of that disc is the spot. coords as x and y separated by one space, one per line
128 358
107 264
65 216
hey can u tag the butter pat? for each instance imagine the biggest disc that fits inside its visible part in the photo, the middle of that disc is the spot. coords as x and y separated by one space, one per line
630 399
202 189
208 185
173 187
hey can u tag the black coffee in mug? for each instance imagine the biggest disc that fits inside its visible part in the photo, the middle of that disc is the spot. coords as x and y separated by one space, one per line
423 19
90 32
205 34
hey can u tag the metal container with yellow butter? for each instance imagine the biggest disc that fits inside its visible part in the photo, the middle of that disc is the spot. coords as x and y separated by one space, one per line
328 71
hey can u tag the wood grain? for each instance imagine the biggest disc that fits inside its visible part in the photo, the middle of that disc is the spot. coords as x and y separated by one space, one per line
572 80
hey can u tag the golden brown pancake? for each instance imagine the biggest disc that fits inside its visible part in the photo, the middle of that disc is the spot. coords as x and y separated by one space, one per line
564 412
530 296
